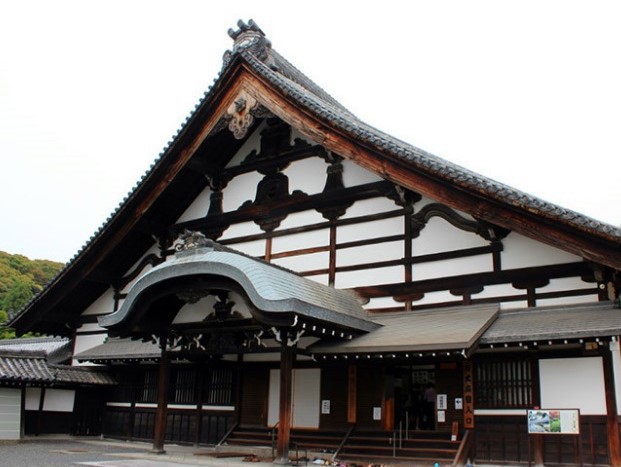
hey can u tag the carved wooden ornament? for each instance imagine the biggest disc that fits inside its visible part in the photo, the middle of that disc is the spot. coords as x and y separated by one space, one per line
239 113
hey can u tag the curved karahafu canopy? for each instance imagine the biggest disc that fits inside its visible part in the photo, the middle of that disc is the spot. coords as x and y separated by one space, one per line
275 295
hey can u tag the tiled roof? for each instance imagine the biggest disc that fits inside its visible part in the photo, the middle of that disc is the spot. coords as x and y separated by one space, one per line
271 289
115 349
551 323
21 367
456 328
55 350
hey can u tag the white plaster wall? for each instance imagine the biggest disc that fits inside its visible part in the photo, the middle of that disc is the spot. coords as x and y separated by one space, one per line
10 413
374 229
371 206
437 297
90 327
439 235
59 400
306 395
153 250
452 267
370 253
239 190
522 252
240 230
83 343
298 219
254 248
102 306
314 238
33 397
307 175
193 312
198 208
573 383
388 275
354 175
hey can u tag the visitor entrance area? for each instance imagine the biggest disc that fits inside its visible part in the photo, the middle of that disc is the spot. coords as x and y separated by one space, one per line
406 386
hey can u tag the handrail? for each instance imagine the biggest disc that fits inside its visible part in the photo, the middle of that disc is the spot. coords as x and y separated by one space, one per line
273 435
227 434
464 450
347 435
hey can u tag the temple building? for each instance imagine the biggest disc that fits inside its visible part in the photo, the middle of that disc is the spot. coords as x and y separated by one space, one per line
285 274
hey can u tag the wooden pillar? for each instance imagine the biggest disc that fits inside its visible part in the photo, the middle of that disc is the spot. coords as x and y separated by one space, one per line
612 423
538 449
161 414
286 396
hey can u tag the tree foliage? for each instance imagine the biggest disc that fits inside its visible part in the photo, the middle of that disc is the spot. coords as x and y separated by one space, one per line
20 279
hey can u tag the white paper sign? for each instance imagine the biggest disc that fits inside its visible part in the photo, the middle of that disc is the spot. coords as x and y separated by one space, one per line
459 403
441 416
377 413
441 402
325 407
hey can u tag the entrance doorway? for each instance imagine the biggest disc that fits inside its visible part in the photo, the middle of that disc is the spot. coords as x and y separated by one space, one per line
408 386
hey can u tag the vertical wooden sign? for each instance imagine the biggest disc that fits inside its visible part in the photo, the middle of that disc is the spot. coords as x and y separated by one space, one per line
351 393
468 395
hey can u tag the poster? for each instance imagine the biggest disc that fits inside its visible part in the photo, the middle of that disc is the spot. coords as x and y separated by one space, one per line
554 421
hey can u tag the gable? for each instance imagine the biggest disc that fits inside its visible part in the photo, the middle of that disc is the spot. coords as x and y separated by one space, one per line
261 103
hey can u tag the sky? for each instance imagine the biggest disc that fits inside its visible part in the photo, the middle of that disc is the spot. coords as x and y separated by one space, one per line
525 92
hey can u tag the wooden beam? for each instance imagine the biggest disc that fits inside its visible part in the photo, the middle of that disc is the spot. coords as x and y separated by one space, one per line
161 413
471 280
612 419
287 355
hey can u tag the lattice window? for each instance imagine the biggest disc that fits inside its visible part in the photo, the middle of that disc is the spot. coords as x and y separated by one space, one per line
182 386
149 387
218 389
504 384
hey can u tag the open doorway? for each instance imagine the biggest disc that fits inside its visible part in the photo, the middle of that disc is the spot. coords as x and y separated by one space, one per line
413 392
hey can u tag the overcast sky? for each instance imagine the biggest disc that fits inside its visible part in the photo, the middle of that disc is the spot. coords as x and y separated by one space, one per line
525 92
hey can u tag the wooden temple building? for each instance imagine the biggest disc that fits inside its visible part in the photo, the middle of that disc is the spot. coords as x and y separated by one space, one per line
286 272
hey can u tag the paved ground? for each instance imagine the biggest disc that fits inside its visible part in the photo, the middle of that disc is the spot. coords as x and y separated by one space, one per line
102 453
95 452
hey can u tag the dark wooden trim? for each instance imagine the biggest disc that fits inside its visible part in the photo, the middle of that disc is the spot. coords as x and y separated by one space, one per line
313 227
161 414
284 207
287 357
470 280
332 260
612 419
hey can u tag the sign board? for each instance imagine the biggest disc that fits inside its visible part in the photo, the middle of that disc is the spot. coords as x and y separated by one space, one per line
441 416
554 421
325 407
377 413
468 395
441 402
459 403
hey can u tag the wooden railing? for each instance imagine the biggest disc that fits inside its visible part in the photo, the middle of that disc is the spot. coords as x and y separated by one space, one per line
464 452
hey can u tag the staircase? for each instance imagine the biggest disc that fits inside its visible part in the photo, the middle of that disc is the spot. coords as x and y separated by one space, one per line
380 447
425 447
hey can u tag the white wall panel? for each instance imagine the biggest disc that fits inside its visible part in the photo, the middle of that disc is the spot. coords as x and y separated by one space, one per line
307 175
240 230
439 235
59 400
371 206
389 275
253 143
300 219
452 267
199 207
301 240
83 343
33 398
366 230
305 262
239 190
522 252
306 394
573 383
370 253
10 413
103 305
354 175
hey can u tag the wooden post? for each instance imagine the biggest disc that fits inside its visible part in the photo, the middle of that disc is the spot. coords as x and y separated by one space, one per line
612 423
161 414
284 415
538 454
352 383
